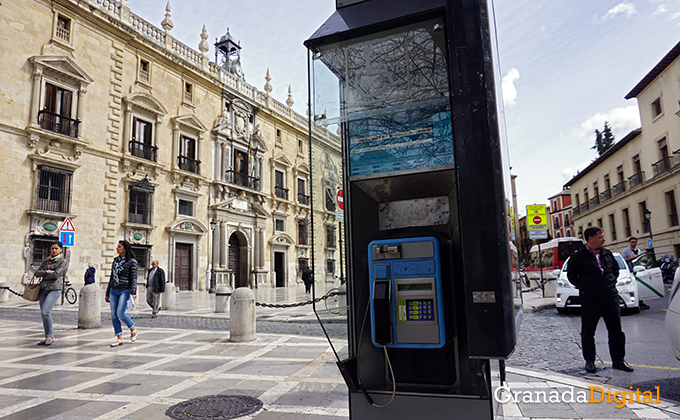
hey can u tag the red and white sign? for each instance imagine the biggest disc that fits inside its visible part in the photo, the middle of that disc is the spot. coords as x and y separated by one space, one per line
537 220
339 199
67 226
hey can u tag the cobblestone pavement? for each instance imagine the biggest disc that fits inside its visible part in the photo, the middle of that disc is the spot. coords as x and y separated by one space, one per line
548 341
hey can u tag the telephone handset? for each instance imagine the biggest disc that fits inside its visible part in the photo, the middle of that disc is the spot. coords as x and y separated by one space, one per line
407 307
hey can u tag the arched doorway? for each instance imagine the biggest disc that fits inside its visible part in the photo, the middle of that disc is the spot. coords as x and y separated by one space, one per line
234 264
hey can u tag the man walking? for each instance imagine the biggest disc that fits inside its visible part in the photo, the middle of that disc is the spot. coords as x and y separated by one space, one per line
594 271
155 285
307 279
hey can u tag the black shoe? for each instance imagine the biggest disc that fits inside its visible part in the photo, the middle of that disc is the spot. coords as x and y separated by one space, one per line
622 365
643 305
590 367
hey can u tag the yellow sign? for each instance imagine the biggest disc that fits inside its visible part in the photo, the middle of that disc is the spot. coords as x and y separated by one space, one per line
537 217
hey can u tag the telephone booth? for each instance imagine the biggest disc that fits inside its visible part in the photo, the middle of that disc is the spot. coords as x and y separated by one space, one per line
405 102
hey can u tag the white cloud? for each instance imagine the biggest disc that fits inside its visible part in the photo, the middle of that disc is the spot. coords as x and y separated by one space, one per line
675 16
625 7
509 89
622 120
660 9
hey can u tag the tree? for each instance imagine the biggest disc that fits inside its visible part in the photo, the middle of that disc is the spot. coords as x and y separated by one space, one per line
603 139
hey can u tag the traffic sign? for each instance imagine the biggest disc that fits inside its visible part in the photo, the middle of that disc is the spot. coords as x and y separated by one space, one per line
537 217
67 226
650 243
67 238
340 199
538 234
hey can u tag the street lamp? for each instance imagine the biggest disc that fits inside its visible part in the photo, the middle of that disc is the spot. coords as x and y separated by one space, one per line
648 218
213 224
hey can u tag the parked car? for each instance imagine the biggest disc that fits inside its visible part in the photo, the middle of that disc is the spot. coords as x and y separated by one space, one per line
631 286
649 277
673 315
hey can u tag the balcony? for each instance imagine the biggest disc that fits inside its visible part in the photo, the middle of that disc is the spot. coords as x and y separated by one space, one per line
664 165
613 235
58 123
605 195
619 188
673 219
627 231
676 158
645 226
188 164
594 201
636 179
143 150
576 211
303 199
243 180
281 192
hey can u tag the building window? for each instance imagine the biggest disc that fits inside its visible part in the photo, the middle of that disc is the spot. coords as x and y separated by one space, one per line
301 148
330 267
188 92
139 208
302 264
303 233
331 240
56 113
41 248
330 199
54 190
141 144
612 225
142 257
187 155
144 71
643 221
185 208
279 225
626 222
672 208
278 135
656 108
280 189
63 29
302 197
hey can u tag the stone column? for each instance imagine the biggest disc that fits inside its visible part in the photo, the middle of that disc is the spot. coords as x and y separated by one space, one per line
262 246
224 244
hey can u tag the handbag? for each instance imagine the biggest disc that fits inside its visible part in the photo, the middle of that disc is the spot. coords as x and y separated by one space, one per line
131 305
32 290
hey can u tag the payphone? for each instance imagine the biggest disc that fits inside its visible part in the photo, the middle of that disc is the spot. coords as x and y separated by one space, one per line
407 309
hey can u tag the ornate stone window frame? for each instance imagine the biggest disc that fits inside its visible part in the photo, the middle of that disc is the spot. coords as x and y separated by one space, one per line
139 233
58 32
144 78
187 125
282 164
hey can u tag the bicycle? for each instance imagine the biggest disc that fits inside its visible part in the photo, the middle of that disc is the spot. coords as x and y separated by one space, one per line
69 293
334 295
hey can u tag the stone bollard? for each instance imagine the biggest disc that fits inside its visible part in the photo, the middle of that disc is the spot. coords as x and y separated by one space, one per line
242 316
342 296
90 307
550 287
4 292
168 297
222 295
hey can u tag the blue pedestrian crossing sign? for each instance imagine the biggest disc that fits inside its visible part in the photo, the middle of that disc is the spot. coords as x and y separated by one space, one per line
650 243
67 238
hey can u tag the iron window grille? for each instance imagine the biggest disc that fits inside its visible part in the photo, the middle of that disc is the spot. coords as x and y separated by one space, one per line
54 190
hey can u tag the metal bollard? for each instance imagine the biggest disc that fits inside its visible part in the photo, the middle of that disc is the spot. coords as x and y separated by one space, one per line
90 307
168 297
222 295
4 292
242 316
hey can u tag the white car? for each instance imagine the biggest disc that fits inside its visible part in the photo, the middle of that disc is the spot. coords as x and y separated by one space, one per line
673 315
647 286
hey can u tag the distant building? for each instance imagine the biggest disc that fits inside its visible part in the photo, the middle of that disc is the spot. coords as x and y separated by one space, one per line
632 189
561 215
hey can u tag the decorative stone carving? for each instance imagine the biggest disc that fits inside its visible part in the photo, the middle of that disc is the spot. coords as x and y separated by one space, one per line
203 45
167 24
290 100
268 86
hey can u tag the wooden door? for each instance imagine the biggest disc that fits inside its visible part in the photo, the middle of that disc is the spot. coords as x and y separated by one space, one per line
235 259
183 266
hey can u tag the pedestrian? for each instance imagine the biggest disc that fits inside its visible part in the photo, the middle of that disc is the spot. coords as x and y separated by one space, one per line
122 286
52 271
307 279
155 285
594 272
629 254
89 274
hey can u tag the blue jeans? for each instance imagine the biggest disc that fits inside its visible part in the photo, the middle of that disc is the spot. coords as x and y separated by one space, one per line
118 301
47 300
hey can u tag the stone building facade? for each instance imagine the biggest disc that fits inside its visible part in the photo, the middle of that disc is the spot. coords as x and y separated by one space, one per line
110 121
561 215
639 174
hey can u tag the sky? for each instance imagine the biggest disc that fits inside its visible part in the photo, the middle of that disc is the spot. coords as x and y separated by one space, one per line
566 67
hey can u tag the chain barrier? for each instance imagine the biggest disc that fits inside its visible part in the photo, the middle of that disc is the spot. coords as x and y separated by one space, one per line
297 304
12 291
539 285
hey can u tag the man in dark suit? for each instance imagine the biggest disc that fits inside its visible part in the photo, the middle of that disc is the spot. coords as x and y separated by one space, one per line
155 285
594 271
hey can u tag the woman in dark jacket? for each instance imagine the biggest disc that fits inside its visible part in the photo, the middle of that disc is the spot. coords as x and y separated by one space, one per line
89 274
52 272
122 285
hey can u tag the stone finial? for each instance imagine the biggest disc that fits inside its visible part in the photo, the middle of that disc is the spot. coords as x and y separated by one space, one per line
290 100
268 86
203 45
167 22
307 109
